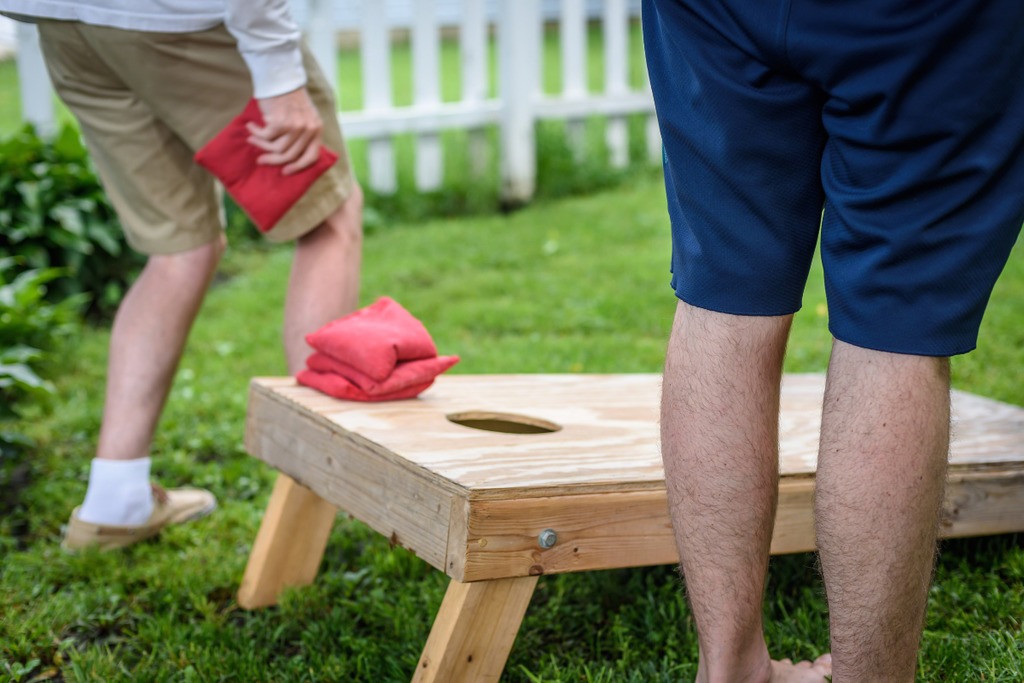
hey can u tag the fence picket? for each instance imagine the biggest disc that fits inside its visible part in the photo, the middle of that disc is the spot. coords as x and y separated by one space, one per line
616 65
426 66
320 35
36 91
518 44
473 53
376 67
573 27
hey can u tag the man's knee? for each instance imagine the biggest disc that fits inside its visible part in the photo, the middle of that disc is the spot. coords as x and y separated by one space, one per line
345 224
199 262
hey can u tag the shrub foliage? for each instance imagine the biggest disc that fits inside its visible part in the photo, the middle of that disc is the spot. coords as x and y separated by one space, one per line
30 329
54 214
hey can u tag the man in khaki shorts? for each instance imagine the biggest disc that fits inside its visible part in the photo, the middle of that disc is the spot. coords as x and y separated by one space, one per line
151 82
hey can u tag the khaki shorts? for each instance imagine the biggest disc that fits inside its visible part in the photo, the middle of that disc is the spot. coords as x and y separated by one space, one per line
147 101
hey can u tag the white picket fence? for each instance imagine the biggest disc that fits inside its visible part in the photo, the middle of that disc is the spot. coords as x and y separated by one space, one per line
515 110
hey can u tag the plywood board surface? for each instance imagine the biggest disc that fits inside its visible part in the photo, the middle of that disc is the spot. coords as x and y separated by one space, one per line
608 431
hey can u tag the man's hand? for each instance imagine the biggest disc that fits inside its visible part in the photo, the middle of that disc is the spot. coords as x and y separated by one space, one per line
290 134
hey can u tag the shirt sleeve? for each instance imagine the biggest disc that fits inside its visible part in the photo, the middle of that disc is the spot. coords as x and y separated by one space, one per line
268 40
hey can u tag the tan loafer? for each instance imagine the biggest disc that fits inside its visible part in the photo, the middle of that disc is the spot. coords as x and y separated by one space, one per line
173 506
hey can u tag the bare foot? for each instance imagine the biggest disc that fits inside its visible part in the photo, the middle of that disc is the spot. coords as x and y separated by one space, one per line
785 671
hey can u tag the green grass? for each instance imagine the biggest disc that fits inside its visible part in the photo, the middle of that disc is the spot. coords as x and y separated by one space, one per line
575 285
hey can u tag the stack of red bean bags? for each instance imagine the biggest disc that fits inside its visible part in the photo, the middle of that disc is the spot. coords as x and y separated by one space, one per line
379 353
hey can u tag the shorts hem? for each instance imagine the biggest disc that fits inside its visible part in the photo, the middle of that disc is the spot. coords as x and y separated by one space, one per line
904 349
313 215
177 245
718 307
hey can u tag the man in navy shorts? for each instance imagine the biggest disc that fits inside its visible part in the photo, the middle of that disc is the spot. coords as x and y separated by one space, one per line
897 127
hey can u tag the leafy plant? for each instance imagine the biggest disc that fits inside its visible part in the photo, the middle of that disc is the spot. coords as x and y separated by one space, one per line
30 327
18 377
53 213
19 671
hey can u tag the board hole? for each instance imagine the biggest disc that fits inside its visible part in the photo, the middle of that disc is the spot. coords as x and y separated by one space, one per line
505 423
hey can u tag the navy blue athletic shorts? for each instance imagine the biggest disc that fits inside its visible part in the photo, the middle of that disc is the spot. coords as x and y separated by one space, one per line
896 126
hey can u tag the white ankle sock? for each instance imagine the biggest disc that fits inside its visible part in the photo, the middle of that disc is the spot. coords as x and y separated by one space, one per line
119 493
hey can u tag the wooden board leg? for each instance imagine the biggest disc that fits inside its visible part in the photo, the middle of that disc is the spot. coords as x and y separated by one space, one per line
289 545
474 631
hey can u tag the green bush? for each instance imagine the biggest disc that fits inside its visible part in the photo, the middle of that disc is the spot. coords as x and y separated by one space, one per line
30 329
54 214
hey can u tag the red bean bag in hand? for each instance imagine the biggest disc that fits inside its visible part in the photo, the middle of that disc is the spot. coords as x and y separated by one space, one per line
262 191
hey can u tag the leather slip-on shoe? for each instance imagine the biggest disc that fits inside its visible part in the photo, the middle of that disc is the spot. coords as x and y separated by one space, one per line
170 506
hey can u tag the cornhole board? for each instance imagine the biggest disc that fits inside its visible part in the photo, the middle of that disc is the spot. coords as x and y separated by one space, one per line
585 490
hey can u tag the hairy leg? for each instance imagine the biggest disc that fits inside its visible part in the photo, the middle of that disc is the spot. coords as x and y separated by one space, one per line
881 471
324 282
324 285
148 336
719 429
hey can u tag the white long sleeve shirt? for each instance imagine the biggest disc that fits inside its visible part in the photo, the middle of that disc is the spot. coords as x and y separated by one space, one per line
268 38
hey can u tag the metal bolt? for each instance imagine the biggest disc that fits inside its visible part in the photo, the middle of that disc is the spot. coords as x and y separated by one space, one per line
547 538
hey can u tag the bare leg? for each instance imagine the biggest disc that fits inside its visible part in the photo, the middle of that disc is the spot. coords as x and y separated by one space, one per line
153 321
296 527
720 446
324 281
881 470
149 333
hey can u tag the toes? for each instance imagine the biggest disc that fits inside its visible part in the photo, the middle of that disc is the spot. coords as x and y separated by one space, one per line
786 670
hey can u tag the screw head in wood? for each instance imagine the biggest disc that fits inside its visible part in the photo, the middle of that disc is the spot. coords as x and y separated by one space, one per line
547 538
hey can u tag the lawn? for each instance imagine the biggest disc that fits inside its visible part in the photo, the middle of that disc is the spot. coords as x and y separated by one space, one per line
574 285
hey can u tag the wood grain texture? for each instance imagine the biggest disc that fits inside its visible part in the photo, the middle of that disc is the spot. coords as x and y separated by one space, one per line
473 502
632 529
289 546
474 631
375 486
609 435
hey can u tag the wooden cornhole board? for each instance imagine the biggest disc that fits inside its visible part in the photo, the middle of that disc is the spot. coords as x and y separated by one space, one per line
497 510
